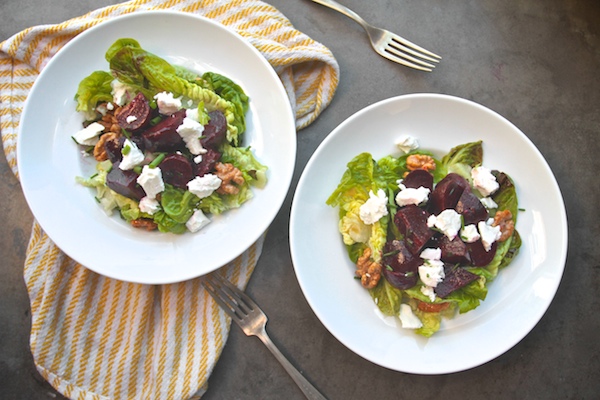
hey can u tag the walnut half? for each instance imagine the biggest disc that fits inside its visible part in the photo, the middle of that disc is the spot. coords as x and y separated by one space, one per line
368 270
231 178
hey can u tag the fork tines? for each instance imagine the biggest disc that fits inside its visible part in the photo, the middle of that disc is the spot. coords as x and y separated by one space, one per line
235 302
399 47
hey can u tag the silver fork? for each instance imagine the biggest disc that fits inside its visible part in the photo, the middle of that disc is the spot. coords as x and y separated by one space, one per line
246 313
388 44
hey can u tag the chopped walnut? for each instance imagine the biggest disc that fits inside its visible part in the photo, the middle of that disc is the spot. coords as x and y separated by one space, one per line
231 177
100 148
368 270
420 161
142 223
109 121
505 221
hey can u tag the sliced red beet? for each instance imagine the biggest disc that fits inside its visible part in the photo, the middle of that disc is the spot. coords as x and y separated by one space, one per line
163 136
215 132
456 278
209 160
412 224
417 178
480 257
471 208
447 193
113 149
135 114
176 170
400 266
453 251
124 182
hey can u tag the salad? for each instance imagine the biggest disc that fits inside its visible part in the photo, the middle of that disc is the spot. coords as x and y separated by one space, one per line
427 235
167 141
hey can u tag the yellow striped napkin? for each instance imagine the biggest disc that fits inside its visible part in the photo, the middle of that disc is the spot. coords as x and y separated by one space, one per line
97 338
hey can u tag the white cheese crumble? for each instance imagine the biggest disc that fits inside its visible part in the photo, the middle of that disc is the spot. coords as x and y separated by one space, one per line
204 186
119 92
374 208
431 254
88 136
197 221
488 203
198 159
166 103
192 113
432 272
407 143
429 292
133 158
489 234
408 319
191 131
110 106
131 118
448 222
149 205
151 181
484 181
414 196
469 234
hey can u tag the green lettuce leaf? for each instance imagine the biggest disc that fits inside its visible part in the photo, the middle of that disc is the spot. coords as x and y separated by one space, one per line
255 173
178 204
470 154
92 90
387 298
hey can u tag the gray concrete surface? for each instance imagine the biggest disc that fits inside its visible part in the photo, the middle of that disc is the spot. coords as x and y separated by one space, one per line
534 62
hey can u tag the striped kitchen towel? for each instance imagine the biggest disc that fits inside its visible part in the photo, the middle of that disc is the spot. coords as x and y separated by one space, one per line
97 338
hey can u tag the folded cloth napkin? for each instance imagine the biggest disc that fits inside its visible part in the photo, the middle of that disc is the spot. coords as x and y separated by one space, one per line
98 338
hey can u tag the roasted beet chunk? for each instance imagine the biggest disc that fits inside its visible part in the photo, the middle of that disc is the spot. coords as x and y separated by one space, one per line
209 160
176 170
412 224
456 278
215 132
470 207
113 149
163 136
399 265
480 257
447 193
134 115
417 178
453 251
124 182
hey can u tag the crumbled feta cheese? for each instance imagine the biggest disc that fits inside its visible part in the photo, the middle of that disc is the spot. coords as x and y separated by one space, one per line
431 221
88 136
484 181
414 196
431 254
131 118
448 222
489 234
408 319
374 208
469 234
110 106
149 205
192 113
432 272
151 181
119 92
166 103
133 158
204 186
191 131
488 203
429 292
198 159
407 143
197 221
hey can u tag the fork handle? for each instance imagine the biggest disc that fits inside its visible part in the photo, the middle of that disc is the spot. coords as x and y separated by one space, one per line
307 388
334 5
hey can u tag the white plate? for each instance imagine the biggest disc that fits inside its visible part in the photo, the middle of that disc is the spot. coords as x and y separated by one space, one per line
48 160
519 296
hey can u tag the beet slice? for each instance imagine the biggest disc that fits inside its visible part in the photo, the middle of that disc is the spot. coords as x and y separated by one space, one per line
215 132
113 149
453 251
417 178
135 114
447 193
411 221
176 170
163 136
124 182
471 208
400 266
209 160
480 257
456 278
